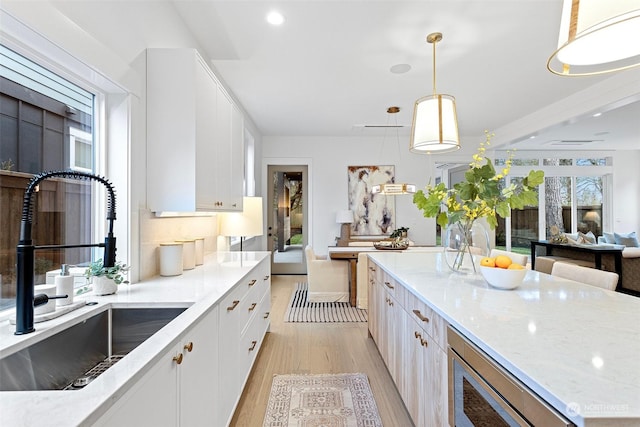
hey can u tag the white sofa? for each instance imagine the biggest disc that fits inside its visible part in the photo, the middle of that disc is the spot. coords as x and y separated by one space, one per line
328 279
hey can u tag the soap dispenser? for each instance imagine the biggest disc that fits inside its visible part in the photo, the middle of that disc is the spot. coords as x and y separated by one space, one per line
64 286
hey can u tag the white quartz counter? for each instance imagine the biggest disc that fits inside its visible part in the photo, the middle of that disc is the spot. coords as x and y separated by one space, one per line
200 289
575 345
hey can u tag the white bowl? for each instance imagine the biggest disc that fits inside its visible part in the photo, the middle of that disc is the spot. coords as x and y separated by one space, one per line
503 278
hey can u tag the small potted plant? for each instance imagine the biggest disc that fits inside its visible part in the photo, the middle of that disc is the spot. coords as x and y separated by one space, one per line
106 279
400 233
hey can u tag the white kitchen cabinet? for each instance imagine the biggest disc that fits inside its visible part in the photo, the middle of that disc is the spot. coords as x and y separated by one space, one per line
190 149
181 388
244 321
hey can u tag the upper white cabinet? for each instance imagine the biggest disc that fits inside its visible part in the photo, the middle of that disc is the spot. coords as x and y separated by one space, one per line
195 153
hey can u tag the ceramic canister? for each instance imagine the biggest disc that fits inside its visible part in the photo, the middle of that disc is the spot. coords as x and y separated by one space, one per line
171 258
200 251
188 253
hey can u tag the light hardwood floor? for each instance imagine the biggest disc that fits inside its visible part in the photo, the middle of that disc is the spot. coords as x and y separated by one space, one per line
315 348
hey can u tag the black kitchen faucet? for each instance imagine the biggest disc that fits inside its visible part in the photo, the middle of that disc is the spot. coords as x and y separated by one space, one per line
25 299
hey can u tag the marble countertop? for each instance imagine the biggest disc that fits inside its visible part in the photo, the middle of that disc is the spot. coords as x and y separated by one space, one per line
199 289
575 345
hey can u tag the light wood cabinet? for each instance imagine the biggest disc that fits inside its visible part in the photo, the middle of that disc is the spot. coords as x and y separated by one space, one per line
192 156
411 339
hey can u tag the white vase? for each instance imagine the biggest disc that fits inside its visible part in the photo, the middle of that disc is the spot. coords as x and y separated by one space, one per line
102 285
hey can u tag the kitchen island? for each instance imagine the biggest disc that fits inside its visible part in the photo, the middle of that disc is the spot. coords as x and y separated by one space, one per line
575 346
237 279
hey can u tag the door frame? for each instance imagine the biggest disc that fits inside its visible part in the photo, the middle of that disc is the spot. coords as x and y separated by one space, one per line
290 161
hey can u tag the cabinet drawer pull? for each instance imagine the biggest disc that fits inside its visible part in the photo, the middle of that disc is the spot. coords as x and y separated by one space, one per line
253 345
266 315
253 282
178 359
389 302
253 306
189 347
417 334
234 305
266 278
423 342
420 316
389 285
372 268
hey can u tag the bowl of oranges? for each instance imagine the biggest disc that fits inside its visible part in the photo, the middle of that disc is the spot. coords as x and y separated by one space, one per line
501 272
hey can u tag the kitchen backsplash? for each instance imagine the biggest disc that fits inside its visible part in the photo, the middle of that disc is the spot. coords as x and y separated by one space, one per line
154 231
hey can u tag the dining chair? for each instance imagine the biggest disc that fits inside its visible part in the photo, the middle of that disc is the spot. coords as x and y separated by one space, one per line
591 276
328 279
515 258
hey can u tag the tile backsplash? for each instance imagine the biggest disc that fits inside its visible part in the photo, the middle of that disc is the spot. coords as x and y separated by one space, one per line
154 230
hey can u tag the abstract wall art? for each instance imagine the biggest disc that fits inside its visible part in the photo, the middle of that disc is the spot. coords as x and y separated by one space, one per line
374 214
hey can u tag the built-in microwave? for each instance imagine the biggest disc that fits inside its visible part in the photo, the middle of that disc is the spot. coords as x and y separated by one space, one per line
482 393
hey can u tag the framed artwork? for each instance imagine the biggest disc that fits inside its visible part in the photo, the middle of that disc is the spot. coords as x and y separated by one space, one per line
374 214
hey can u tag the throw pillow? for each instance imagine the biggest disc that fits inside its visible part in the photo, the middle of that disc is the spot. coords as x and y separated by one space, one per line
609 237
628 239
587 238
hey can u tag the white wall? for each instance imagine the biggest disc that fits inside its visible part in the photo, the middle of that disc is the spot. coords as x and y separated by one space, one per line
328 179
626 191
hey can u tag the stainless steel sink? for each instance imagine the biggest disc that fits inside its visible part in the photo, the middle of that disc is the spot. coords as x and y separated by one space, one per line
74 357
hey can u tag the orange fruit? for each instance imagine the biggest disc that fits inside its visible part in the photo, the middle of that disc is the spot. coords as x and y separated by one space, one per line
503 261
488 262
514 266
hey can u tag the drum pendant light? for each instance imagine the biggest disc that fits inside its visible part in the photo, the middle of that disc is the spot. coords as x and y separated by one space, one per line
435 123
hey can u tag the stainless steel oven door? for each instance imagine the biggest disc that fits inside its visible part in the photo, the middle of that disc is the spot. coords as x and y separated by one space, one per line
473 403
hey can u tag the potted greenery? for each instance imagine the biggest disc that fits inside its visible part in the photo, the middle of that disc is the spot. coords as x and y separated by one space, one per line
400 233
106 279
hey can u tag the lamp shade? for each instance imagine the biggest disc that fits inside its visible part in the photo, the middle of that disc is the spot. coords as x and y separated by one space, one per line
344 217
435 125
597 37
245 224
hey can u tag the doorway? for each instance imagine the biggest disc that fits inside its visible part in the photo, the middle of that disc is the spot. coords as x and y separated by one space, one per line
287 229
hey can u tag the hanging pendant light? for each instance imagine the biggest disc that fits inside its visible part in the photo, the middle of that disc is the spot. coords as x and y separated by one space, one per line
435 123
393 189
597 37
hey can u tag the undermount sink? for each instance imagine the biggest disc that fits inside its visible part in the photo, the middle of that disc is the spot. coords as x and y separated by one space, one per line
75 356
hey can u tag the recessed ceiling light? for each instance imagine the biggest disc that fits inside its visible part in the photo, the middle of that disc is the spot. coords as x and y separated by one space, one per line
400 68
597 114
275 18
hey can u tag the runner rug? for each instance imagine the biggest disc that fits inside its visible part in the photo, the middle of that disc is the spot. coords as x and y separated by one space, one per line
301 310
333 400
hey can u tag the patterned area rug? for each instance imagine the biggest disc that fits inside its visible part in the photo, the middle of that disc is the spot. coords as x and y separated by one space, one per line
330 400
301 310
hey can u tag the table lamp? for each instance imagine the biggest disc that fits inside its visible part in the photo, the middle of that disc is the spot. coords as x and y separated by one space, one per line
243 224
345 218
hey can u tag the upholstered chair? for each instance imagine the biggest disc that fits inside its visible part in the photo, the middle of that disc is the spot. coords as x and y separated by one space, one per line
328 279
591 276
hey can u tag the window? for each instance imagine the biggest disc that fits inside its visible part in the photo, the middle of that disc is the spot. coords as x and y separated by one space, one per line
46 123
573 198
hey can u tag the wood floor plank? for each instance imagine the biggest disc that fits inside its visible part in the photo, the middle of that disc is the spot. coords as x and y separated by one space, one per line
315 348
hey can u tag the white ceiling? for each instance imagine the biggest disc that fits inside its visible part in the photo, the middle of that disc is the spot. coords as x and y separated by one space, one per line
326 70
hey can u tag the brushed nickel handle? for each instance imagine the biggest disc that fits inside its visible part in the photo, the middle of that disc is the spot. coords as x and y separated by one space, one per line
389 302
372 268
178 359
253 306
234 205
253 282
266 315
234 305
423 342
420 316
389 285
266 277
253 345
417 334
189 347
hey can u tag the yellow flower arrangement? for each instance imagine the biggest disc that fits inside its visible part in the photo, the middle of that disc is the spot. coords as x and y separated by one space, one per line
479 195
